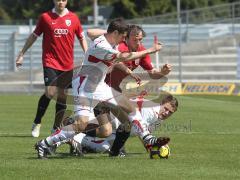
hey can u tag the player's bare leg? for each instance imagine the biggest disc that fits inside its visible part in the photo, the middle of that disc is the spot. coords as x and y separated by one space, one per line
105 126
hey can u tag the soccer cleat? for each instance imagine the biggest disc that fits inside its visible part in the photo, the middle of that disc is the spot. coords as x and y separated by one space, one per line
75 148
52 150
114 154
36 130
123 151
42 150
122 154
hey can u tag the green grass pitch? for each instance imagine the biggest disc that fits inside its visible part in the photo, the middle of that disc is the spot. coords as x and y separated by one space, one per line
205 144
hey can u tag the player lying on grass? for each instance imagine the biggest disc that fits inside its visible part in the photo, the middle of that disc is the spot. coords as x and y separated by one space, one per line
153 113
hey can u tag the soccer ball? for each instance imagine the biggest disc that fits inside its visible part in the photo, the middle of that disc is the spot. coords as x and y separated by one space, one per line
160 153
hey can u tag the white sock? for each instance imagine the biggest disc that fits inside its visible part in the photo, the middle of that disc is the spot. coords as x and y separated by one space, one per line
99 146
60 136
79 137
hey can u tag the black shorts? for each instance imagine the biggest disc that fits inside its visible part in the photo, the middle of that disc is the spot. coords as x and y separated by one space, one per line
61 79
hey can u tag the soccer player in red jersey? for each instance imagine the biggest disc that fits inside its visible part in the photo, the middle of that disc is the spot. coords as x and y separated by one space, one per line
133 43
59 27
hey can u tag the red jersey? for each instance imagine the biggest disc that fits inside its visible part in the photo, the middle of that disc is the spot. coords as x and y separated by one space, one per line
116 76
58 39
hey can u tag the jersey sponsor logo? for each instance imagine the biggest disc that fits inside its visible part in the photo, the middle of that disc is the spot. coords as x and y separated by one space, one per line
68 22
59 32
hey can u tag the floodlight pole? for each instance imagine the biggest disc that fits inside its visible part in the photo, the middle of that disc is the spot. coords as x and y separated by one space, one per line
95 13
179 40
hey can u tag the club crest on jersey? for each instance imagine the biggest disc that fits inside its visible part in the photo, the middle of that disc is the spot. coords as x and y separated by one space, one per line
68 22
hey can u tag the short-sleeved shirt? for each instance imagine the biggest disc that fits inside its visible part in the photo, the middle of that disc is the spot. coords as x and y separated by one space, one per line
58 39
116 76
98 60
149 119
149 116
89 87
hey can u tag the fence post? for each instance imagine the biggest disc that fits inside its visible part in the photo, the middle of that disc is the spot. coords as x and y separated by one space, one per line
31 60
187 26
13 55
6 55
179 40
233 18
238 62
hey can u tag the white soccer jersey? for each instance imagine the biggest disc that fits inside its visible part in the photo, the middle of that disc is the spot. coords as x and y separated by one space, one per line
149 116
98 59
90 83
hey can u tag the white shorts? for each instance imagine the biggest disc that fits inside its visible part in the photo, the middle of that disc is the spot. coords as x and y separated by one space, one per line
84 102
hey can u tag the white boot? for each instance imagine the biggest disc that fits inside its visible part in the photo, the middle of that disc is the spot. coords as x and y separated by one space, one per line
36 130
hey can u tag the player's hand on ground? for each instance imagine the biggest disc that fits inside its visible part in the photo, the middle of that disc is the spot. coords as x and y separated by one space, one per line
136 78
161 141
166 69
19 60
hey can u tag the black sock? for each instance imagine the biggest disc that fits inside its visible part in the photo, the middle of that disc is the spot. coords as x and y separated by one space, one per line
121 138
42 107
60 110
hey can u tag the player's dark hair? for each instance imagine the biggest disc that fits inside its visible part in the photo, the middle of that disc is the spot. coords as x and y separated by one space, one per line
173 101
117 25
135 29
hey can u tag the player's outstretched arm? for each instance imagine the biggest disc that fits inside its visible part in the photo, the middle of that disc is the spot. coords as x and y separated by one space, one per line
31 39
141 130
150 140
127 56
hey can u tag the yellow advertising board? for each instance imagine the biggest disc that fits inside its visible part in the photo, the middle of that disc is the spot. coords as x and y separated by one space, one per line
185 88
209 88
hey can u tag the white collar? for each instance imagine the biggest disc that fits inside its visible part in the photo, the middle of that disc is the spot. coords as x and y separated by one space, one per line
65 11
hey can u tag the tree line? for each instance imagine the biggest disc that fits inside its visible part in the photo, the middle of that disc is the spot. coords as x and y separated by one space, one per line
11 10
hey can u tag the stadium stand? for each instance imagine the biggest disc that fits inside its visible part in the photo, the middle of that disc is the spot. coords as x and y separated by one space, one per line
208 51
